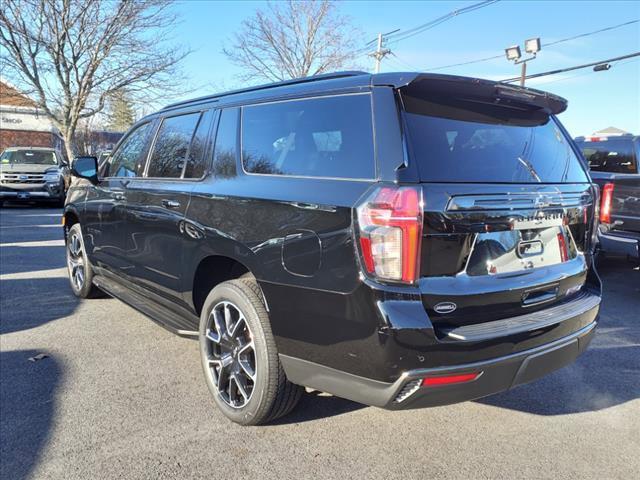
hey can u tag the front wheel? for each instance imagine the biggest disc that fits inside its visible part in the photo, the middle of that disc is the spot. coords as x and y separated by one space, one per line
80 271
239 356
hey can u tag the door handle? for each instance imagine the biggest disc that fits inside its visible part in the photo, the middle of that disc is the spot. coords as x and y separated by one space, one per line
170 203
119 197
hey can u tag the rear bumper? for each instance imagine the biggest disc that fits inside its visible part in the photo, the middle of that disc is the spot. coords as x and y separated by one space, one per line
620 243
522 363
495 376
406 392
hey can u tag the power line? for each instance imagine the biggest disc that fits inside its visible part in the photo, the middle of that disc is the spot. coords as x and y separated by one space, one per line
562 79
546 45
403 35
402 62
569 69
398 35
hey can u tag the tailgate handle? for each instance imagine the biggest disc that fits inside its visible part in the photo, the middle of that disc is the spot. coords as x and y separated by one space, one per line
541 295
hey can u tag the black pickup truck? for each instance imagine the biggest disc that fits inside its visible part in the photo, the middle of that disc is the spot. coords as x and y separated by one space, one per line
614 164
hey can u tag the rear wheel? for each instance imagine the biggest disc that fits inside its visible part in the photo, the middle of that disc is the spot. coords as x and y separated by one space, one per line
239 356
78 265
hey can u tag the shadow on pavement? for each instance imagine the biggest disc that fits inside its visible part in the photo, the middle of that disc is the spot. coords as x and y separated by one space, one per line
608 373
27 408
315 406
29 303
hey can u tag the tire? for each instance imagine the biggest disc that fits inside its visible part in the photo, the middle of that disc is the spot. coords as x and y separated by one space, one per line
234 346
78 265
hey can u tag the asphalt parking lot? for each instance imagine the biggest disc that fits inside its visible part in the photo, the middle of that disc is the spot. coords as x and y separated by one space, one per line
119 397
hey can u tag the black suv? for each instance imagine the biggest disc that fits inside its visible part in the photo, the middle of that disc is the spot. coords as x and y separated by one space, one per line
401 240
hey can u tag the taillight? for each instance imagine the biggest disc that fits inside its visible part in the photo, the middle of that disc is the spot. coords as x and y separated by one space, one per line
562 244
390 227
605 203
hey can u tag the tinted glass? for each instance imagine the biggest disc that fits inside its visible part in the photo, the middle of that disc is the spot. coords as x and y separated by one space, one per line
473 142
128 160
224 163
198 162
612 155
320 137
172 146
36 157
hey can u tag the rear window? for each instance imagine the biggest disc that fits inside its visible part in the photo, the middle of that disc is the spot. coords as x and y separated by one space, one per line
458 141
318 137
35 157
611 155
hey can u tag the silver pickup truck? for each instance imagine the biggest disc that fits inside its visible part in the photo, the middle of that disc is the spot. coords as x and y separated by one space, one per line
33 174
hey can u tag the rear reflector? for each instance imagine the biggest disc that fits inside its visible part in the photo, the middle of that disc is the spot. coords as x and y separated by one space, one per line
449 379
605 203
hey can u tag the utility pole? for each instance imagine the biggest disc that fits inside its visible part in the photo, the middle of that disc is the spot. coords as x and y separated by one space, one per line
380 53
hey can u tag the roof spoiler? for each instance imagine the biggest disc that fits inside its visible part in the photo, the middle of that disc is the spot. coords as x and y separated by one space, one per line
474 89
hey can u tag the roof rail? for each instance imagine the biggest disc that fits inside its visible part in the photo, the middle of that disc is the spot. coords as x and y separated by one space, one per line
294 81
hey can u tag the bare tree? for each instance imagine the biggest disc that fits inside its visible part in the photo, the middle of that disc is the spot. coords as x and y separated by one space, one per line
293 39
72 55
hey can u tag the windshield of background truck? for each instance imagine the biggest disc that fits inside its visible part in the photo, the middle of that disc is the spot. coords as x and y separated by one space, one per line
33 157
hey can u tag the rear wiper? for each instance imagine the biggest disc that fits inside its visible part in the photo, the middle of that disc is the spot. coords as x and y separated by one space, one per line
530 169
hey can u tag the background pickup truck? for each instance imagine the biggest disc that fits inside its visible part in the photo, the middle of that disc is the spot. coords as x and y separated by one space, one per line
613 162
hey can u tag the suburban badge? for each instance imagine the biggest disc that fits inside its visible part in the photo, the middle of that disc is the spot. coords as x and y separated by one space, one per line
445 307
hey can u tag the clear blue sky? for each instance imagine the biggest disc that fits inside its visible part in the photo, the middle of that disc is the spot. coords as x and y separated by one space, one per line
596 100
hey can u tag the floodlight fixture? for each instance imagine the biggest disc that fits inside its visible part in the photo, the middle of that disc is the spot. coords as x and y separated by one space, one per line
513 53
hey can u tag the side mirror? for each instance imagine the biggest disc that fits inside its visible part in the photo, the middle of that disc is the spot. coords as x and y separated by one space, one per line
85 167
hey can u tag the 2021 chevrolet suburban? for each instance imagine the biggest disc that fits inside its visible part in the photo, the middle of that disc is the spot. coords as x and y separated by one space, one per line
401 240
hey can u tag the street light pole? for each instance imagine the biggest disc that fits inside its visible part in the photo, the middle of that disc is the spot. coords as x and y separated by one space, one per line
532 46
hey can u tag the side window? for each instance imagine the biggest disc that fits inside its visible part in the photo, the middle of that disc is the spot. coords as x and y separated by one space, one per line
319 137
172 146
224 163
128 160
198 163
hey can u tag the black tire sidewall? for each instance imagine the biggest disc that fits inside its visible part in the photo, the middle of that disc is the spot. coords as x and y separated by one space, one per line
87 287
261 399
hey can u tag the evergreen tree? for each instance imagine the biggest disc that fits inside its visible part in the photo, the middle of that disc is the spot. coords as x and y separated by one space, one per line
120 112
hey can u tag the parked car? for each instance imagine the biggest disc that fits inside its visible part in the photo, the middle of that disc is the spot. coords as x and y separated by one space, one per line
613 162
33 174
400 240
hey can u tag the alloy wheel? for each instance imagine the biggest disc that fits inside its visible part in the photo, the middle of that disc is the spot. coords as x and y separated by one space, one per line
75 260
231 355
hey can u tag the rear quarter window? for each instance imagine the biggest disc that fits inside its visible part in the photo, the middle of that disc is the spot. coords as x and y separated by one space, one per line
329 137
476 143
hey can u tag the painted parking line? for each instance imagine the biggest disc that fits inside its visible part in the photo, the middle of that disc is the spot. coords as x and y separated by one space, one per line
50 273
44 243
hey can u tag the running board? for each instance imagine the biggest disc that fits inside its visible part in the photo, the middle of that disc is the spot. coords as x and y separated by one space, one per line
159 314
